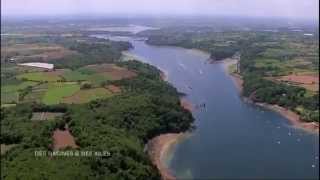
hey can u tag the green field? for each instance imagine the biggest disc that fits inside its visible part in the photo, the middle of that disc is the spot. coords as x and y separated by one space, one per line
57 91
75 76
35 96
86 70
10 93
9 97
40 76
86 74
97 79
11 88
84 96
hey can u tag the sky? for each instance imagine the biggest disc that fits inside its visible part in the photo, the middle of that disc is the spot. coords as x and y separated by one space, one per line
302 9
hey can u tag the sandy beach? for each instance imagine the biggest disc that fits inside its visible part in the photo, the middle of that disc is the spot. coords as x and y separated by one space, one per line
186 104
238 81
158 147
236 78
164 75
294 118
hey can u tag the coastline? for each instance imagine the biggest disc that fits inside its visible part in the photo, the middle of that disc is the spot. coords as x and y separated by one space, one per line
236 78
159 146
187 105
293 118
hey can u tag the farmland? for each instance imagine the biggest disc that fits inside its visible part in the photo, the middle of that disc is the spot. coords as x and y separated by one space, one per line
57 91
75 76
36 51
10 93
74 59
111 71
63 85
87 95
40 76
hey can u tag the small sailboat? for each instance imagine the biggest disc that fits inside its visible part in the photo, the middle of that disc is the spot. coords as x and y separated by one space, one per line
183 66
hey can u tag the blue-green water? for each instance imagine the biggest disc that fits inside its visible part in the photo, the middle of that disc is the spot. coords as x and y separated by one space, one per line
233 139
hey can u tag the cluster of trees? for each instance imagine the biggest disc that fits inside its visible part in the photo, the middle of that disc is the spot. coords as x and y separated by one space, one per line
17 128
220 53
91 53
182 39
291 97
120 125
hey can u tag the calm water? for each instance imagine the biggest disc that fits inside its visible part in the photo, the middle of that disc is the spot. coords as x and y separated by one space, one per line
233 139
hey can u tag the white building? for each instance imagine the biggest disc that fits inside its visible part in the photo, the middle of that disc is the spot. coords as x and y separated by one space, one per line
39 65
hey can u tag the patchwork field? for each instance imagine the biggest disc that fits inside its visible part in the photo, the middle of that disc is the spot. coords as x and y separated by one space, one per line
41 76
10 93
22 85
310 82
13 69
70 75
36 94
111 71
57 91
86 95
36 51
9 97
62 85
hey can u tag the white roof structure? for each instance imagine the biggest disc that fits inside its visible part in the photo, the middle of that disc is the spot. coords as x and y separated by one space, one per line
308 34
39 65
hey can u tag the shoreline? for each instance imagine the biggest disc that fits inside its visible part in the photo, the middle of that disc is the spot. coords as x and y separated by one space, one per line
293 118
159 147
187 105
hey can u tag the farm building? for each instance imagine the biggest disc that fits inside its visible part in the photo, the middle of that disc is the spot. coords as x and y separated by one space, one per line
39 65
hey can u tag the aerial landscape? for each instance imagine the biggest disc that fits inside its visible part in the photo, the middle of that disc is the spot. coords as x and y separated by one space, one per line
168 90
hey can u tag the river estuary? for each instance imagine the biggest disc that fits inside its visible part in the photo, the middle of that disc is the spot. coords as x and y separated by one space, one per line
233 139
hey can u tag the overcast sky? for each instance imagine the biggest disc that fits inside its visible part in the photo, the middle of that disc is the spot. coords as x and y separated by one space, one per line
278 8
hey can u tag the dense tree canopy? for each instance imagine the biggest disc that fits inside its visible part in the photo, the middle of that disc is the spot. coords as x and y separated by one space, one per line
120 125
